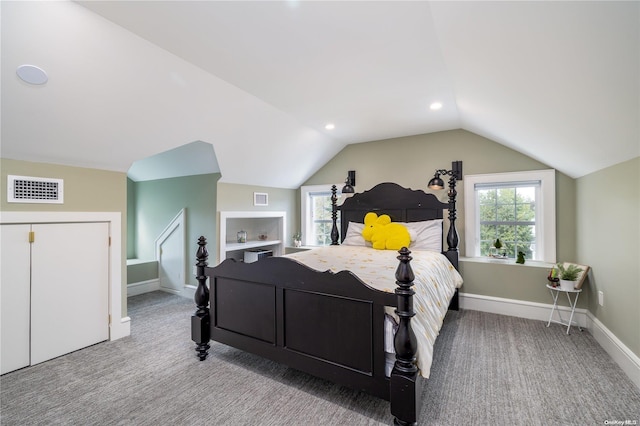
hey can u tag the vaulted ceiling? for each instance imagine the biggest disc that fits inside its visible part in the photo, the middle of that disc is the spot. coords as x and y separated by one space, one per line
259 81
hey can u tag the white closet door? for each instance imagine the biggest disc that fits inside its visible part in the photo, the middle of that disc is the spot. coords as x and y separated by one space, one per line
69 288
14 297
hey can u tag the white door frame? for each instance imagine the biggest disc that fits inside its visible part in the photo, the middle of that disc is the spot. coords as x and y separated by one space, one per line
120 325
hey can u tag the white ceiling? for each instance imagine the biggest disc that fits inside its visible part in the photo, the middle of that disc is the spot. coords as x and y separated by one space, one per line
558 81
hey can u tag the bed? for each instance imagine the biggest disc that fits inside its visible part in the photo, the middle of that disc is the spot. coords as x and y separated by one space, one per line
330 324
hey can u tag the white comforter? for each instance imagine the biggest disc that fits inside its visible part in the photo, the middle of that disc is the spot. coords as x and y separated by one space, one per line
435 282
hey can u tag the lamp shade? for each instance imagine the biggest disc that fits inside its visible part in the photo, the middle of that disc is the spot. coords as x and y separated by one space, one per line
348 189
349 183
436 182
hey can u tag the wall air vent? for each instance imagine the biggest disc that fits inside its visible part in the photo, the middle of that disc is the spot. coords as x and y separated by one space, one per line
27 189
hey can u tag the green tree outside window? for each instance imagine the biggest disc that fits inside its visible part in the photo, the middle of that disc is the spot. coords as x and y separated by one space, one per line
322 222
508 213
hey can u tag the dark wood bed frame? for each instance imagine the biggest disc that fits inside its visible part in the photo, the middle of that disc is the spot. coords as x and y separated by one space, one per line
330 325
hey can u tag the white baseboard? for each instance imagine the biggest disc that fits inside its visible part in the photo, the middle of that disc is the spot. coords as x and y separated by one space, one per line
120 329
189 291
141 287
518 308
148 286
621 354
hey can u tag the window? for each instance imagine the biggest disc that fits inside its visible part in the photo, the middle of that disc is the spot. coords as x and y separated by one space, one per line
518 208
316 215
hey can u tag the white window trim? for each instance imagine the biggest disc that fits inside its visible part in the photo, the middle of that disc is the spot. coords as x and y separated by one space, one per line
305 218
545 209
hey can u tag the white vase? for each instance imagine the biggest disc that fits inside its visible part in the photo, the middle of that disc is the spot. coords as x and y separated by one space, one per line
567 285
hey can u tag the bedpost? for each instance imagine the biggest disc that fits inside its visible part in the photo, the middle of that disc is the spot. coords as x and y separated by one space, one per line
200 331
452 235
405 386
455 174
334 216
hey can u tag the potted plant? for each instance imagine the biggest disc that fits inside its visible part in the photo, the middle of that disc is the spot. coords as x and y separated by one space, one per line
568 276
496 250
498 244
297 239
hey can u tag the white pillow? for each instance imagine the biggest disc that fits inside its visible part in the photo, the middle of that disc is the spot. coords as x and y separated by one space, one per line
426 235
354 235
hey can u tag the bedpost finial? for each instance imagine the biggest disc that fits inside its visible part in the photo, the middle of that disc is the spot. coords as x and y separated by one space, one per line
404 273
404 251
202 254
405 342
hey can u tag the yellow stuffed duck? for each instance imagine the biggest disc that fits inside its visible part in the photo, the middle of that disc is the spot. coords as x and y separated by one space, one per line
383 234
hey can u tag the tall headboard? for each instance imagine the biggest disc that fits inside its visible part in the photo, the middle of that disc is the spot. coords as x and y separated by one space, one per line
401 204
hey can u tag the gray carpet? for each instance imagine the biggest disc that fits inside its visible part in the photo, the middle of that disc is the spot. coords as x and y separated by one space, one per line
488 369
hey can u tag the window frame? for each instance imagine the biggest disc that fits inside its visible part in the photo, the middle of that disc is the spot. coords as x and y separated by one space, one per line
545 210
305 217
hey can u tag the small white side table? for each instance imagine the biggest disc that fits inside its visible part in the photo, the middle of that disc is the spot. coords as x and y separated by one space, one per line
555 292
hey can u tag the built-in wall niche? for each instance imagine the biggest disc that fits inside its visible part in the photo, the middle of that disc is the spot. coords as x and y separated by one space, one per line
267 228
264 230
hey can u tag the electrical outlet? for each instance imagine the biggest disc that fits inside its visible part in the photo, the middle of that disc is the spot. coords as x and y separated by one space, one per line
600 298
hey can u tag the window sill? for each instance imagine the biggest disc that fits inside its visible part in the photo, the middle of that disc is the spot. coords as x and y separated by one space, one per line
531 263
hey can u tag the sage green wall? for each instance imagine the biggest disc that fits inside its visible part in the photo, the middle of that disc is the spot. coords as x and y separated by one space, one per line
509 280
235 197
142 271
157 202
608 229
131 220
411 161
85 190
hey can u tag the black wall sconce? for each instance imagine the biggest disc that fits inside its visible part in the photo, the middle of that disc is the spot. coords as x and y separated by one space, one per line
346 192
455 174
349 183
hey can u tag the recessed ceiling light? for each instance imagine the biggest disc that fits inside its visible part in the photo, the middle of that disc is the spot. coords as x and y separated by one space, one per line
32 74
435 106
330 126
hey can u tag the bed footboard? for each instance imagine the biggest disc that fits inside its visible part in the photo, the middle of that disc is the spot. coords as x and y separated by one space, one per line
328 325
